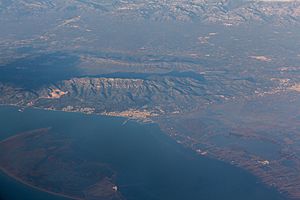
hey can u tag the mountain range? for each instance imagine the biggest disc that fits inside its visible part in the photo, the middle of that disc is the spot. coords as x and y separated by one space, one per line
227 12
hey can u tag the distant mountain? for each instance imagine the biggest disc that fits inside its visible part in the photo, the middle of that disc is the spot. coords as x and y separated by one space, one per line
228 12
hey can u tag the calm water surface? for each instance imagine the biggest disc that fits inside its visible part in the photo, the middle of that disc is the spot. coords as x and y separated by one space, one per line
149 164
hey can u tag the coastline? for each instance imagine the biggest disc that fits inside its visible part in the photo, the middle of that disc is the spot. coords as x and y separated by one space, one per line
9 174
143 120
209 155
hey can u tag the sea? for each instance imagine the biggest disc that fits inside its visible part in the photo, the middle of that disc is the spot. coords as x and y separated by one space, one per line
149 164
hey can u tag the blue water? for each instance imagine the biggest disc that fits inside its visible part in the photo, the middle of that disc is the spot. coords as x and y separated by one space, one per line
149 164
13 190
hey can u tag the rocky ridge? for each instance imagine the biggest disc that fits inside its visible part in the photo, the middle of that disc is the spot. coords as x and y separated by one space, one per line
227 12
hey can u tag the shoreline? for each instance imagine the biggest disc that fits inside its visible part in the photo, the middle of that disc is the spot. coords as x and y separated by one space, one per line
183 143
147 120
19 180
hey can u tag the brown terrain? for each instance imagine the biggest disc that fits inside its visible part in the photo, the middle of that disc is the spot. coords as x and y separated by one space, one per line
31 155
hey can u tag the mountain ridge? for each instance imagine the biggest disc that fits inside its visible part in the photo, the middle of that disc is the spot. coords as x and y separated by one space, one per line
225 12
